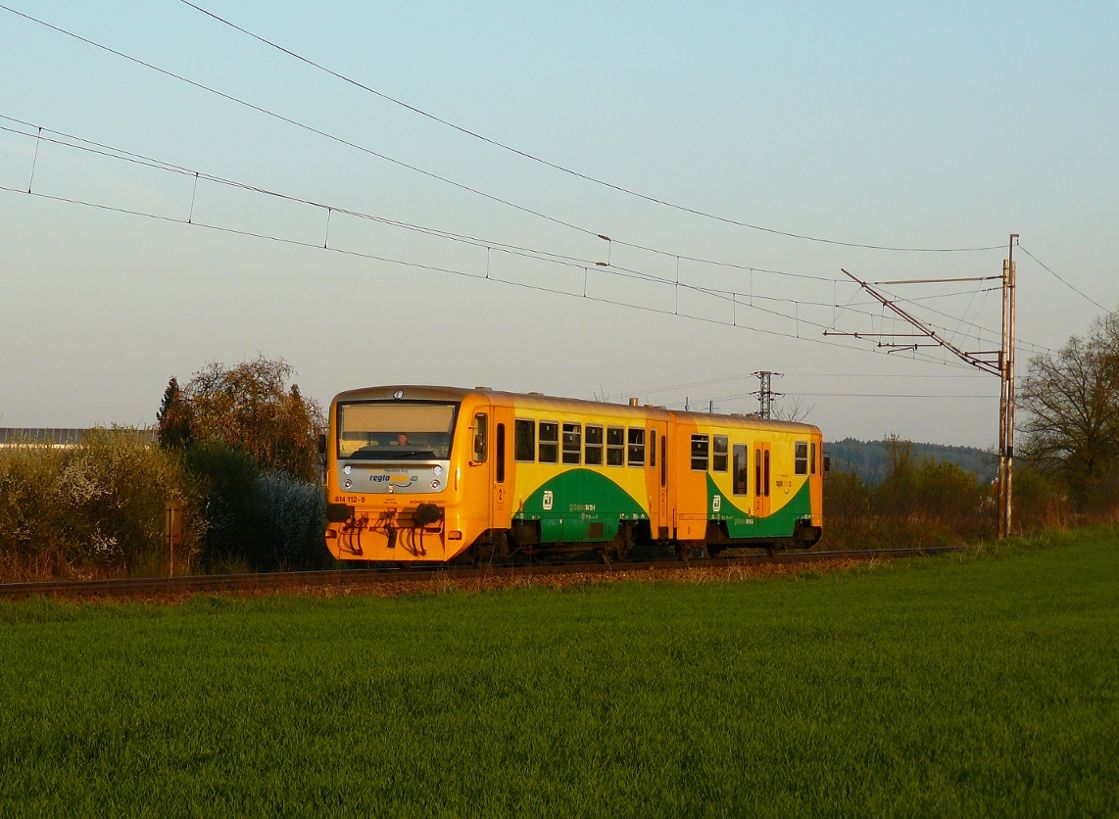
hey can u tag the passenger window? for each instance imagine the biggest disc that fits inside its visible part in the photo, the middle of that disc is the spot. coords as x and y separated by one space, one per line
741 470
524 440
636 447
615 446
701 447
719 454
800 459
592 455
572 442
549 442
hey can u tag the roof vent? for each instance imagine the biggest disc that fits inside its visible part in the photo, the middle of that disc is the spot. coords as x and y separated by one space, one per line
633 402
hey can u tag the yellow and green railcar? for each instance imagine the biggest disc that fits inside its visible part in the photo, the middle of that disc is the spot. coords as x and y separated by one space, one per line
417 473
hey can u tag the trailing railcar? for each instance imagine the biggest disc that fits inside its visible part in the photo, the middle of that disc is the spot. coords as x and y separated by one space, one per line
421 473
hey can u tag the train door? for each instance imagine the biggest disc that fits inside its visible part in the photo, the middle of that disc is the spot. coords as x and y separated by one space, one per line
657 480
502 479
761 479
483 438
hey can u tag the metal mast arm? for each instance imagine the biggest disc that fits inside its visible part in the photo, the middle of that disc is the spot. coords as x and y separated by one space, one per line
969 358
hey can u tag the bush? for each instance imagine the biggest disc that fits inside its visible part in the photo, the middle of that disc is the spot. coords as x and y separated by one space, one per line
919 503
94 509
258 520
228 478
847 519
31 543
294 514
1041 501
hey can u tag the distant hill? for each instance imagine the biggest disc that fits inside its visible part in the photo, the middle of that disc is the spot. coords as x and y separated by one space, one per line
868 459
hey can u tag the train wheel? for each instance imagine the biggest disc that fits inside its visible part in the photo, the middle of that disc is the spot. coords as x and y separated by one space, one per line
686 549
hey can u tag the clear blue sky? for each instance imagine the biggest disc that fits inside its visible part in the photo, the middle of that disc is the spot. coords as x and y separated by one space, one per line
907 125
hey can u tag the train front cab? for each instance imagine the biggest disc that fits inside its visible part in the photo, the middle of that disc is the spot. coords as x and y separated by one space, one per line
409 472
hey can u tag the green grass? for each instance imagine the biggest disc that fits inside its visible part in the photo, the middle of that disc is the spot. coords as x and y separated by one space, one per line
970 685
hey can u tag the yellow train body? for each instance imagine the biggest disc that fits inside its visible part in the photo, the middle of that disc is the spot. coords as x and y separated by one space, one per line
418 473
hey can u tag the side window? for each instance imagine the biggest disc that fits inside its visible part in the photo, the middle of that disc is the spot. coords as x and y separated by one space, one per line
549 442
741 470
758 472
500 443
592 454
765 472
719 454
572 442
701 446
615 446
652 447
524 440
664 460
800 458
481 439
636 452
812 459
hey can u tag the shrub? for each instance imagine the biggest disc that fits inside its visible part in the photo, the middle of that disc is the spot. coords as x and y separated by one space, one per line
846 510
258 520
228 478
94 509
294 515
30 539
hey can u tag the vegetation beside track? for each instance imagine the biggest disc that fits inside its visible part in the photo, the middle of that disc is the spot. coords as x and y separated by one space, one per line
971 684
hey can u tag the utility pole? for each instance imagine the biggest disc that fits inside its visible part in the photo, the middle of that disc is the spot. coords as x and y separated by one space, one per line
765 392
997 362
1006 394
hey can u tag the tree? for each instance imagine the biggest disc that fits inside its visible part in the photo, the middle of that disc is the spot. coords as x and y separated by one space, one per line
895 496
251 409
173 418
1072 401
793 410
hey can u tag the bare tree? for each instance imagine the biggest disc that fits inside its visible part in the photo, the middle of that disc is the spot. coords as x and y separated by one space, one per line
1072 401
793 410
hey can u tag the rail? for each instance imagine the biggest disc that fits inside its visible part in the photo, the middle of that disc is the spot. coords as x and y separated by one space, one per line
185 586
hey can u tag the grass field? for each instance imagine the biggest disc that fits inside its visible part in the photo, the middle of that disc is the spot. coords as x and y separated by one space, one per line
985 684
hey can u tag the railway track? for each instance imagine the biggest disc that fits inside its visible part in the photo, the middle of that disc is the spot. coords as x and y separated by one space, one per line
140 588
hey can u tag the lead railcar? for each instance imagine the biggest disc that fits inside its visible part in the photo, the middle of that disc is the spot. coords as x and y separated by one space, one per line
422 473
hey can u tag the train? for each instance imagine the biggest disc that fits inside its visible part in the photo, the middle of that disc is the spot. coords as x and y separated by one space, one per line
433 474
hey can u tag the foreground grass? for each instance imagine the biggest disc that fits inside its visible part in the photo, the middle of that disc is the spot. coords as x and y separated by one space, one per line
982 685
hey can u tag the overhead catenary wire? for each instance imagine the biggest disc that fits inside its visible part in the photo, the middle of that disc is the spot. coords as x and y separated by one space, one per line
477 191
736 298
563 168
440 269
1062 279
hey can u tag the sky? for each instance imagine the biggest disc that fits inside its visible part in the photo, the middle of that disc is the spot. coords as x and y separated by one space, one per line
175 192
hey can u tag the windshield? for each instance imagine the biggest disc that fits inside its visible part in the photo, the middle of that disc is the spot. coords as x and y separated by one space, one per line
394 430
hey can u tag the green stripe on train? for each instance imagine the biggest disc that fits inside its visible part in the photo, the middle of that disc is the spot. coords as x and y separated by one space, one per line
578 506
743 524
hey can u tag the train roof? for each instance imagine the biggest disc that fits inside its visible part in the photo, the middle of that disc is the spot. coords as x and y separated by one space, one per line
539 400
